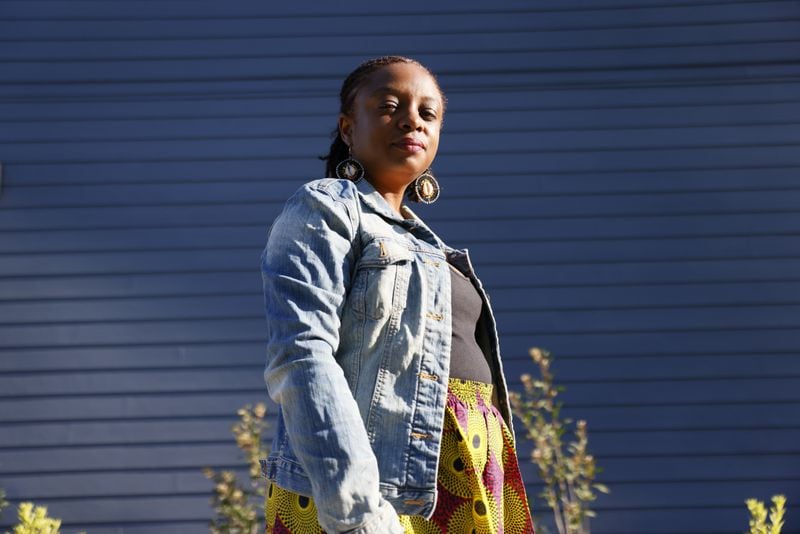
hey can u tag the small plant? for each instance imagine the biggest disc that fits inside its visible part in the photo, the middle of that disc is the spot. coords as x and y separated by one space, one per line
3 501
758 515
237 505
567 469
34 520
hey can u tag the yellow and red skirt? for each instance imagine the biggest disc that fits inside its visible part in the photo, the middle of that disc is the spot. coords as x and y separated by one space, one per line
479 486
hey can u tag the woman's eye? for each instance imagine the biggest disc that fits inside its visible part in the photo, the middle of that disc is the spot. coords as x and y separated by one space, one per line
389 105
428 113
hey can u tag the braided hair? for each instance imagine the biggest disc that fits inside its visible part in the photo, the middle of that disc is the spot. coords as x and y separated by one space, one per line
339 150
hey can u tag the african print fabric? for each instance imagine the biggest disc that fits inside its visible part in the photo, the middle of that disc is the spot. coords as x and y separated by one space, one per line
479 486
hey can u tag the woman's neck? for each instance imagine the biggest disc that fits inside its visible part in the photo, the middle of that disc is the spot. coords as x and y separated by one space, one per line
393 193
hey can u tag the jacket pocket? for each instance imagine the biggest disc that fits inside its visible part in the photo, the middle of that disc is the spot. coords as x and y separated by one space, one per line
380 284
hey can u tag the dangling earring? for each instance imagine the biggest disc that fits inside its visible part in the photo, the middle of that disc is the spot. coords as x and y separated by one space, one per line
350 168
424 188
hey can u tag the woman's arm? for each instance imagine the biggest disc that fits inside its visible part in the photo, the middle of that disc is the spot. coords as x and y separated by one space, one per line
306 269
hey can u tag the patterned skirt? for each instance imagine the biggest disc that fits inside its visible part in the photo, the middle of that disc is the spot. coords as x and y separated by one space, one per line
479 486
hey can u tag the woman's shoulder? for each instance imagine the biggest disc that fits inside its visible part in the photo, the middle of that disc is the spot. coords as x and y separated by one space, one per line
336 188
325 198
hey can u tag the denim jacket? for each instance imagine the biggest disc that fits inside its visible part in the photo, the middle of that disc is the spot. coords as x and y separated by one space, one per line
357 301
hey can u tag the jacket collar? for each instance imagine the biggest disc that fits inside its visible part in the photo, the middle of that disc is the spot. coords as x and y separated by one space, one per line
372 198
375 200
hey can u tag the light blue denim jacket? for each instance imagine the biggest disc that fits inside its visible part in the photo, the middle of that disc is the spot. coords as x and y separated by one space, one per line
357 301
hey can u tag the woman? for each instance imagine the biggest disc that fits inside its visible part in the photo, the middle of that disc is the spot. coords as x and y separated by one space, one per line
382 348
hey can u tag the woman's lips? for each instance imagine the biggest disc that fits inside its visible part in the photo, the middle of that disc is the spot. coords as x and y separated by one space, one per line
409 145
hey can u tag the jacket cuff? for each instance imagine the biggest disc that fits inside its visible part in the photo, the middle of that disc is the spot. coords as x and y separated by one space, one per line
384 521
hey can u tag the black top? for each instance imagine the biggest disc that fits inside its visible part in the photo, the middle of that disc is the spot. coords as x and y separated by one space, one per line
467 360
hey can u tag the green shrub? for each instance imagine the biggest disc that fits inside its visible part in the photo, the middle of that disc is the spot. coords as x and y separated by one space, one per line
758 515
236 505
567 469
34 520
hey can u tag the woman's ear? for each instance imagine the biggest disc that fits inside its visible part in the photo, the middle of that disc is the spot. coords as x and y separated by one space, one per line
346 128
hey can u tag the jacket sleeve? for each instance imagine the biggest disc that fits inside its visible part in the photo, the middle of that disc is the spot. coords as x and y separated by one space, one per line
306 269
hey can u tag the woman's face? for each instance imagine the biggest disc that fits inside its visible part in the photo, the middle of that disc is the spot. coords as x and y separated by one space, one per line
393 127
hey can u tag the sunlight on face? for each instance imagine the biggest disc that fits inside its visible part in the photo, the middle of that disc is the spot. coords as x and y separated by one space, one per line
394 125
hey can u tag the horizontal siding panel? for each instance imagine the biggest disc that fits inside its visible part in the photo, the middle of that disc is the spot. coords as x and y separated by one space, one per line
550 322
195 455
31 415
582 218
598 367
242 107
622 251
156 329
542 301
643 140
783 152
677 511
654 142
162 482
125 458
120 510
745 361
287 176
673 469
612 252
721 59
556 299
678 319
68 428
693 495
632 273
218 306
474 79
538 228
171 9
578 228
175 526
690 417
109 285
494 275
690 342
299 84
127 22
704 389
689 468
561 109
261 44
131 262
636 175
130 382
197 330
666 390
130 357
683 442
29 411
123 432
182 196
756 123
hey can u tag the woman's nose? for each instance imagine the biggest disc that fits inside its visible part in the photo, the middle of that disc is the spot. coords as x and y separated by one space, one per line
411 121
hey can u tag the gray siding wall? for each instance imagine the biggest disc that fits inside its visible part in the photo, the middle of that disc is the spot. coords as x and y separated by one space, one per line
624 173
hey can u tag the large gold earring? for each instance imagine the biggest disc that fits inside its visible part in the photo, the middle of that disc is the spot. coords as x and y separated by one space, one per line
350 168
424 188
